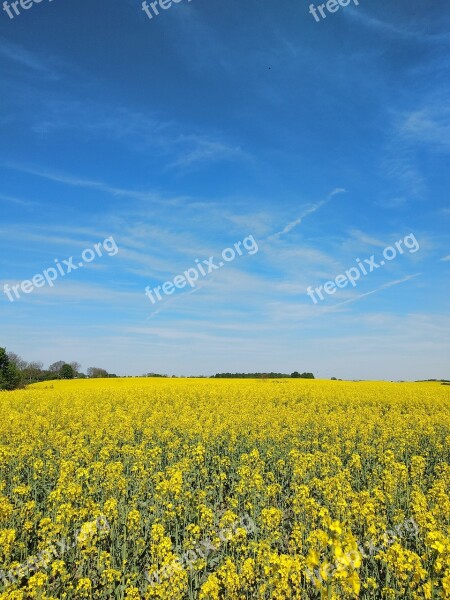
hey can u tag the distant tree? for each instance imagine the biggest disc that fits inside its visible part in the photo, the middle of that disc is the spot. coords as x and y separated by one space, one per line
333 379
95 372
9 373
251 375
67 372
297 375
56 367
33 372
16 360
76 367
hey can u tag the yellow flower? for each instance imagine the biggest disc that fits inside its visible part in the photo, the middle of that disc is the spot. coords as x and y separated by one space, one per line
107 479
132 593
84 588
133 520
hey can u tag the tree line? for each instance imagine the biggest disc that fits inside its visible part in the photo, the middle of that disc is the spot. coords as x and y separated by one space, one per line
16 372
294 375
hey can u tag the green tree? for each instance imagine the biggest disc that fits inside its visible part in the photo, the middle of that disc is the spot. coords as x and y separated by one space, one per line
307 376
95 372
66 372
9 373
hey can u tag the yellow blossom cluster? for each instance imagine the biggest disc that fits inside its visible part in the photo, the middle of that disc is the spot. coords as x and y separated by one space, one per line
346 486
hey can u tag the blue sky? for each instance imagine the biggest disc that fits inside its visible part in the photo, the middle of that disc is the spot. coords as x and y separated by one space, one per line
182 135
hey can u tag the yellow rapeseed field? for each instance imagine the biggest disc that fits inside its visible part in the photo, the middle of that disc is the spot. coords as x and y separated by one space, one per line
225 489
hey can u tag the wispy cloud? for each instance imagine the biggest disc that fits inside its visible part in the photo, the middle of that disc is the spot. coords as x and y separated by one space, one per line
206 151
382 287
394 202
400 165
426 127
389 28
18 201
429 125
366 239
74 292
30 60
183 149
87 183
289 227
308 211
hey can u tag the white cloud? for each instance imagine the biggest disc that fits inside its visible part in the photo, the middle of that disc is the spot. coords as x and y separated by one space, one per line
382 287
366 239
87 183
308 211
430 125
18 201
